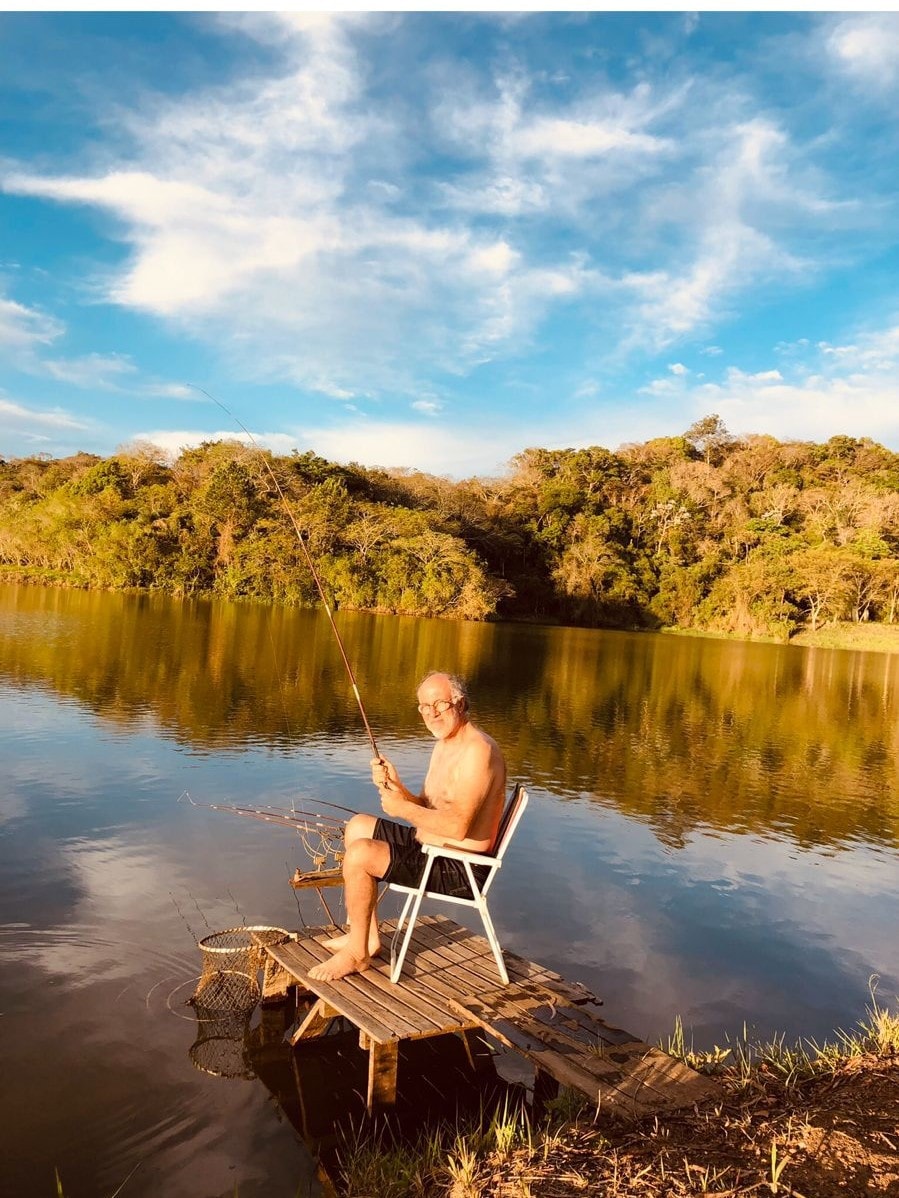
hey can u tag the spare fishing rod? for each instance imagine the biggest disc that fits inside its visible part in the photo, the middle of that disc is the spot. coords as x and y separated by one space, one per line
303 821
309 562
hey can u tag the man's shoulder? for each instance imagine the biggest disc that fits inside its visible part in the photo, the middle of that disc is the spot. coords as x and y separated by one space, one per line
482 741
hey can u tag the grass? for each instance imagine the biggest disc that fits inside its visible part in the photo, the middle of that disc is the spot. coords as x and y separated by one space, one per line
750 1142
875 638
455 1160
876 1034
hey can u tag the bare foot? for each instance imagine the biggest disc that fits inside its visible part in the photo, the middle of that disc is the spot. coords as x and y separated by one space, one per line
340 965
336 943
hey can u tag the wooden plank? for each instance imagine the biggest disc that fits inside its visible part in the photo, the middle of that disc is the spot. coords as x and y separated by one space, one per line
316 879
415 1016
629 1084
316 1023
346 994
474 953
298 960
382 1069
581 1023
407 1014
276 981
385 1007
432 1017
518 967
454 986
470 962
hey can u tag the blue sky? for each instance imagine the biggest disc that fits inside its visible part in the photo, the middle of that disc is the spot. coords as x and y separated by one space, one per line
432 240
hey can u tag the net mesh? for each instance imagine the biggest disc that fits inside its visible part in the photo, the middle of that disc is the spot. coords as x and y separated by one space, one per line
220 1048
232 960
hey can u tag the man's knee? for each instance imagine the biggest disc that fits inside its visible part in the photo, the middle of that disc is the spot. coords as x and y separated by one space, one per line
367 856
359 827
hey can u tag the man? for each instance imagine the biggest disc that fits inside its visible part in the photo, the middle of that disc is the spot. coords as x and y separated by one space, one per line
461 804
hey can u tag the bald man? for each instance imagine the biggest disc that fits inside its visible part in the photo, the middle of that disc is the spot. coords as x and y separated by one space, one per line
460 804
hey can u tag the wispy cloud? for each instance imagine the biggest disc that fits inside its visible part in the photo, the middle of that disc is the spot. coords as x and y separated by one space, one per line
104 371
866 48
20 417
815 392
430 407
24 329
365 210
270 217
174 441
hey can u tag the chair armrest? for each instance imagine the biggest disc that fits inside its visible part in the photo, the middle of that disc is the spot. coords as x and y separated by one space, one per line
441 850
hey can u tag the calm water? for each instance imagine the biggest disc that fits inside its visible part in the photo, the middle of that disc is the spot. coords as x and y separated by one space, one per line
714 832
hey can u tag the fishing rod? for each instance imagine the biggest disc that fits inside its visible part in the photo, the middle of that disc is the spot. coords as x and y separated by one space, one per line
302 821
309 562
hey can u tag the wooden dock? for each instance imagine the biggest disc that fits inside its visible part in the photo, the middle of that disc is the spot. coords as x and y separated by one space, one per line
450 986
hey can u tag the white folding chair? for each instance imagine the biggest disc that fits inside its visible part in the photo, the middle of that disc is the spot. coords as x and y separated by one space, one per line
414 894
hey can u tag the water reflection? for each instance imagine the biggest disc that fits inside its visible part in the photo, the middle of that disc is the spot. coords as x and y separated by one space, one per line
681 733
713 832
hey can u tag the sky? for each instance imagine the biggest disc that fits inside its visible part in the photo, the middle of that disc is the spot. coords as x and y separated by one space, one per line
432 240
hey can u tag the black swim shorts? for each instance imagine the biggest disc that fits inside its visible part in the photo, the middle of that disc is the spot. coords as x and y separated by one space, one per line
407 863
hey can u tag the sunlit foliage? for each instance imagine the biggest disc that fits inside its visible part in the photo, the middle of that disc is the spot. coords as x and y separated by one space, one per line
709 531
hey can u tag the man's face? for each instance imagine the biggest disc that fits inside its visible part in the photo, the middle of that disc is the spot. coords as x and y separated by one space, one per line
439 710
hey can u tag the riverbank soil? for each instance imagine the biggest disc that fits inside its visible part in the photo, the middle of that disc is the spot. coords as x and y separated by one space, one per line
831 1135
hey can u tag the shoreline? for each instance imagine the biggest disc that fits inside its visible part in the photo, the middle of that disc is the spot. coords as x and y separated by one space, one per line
870 637
801 1121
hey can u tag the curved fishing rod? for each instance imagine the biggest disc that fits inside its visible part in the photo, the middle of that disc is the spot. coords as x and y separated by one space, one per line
309 562
302 821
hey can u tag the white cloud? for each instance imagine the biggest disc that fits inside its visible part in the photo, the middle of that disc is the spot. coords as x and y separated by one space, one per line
312 226
93 370
171 391
587 389
173 441
866 47
678 368
430 407
16 415
731 251
851 389
24 329
496 259
432 446
549 137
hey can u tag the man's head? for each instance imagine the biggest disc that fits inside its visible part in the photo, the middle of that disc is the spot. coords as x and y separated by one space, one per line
443 703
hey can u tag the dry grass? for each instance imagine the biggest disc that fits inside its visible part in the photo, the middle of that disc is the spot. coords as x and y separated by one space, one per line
799 1120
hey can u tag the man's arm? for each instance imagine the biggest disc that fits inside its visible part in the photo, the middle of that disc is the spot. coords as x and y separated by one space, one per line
387 780
457 805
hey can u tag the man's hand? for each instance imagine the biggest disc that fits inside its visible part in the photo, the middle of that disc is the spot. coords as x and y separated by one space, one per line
393 803
385 777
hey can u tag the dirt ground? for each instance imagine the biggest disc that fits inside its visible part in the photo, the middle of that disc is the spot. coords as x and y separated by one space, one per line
830 1136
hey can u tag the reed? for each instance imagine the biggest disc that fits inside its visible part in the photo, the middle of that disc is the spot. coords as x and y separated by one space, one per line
763 1136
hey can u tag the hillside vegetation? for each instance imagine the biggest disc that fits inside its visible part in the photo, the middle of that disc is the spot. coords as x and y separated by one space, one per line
705 531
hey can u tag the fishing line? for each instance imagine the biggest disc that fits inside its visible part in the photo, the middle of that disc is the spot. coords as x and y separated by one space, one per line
309 562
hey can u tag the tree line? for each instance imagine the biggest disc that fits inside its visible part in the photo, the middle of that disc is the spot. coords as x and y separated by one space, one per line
705 530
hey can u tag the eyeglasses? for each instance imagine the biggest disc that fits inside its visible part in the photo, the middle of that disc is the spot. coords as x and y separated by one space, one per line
437 708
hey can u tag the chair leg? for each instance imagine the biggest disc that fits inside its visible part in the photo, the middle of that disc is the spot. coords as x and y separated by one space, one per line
405 911
397 937
494 942
397 965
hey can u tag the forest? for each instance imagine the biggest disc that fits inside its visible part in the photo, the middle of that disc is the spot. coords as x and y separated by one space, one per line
706 531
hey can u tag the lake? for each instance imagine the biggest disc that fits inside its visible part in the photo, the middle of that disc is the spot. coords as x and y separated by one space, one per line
713 833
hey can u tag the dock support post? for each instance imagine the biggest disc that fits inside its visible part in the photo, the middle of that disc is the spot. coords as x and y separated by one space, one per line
382 1065
546 1088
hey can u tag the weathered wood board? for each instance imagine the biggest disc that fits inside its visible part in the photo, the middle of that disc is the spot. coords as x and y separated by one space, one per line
450 985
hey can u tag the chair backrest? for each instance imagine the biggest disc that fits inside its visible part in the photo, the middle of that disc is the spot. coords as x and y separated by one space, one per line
518 800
